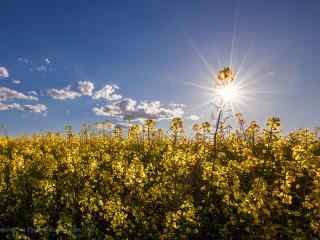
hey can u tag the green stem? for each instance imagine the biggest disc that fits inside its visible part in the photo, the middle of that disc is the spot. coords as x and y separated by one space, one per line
216 131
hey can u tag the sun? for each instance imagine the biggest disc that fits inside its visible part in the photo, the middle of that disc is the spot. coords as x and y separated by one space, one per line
231 86
226 89
228 93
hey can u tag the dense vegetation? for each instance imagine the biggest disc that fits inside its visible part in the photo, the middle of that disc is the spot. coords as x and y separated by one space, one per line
249 183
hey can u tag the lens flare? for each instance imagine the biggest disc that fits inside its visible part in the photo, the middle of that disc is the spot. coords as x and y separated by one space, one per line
227 93
225 86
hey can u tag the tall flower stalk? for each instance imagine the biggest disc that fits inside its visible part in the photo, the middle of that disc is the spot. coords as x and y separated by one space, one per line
223 81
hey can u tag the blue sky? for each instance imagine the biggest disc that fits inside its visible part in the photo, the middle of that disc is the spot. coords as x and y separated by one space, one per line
150 57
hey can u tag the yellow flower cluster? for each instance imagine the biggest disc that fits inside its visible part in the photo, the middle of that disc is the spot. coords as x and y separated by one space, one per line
256 183
225 77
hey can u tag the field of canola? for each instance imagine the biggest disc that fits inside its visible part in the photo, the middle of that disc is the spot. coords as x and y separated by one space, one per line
250 183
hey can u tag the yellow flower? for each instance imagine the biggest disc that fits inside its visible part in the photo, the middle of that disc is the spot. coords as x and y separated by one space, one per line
225 76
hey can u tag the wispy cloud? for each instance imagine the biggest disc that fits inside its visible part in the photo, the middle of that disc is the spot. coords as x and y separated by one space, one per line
4 73
24 60
86 87
7 93
16 81
41 68
63 94
37 108
177 105
108 93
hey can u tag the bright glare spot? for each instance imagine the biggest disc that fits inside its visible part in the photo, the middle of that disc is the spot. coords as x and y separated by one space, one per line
228 93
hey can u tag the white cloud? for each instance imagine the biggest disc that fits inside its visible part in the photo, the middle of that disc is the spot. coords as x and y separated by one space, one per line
108 93
193 118
63 94
129 109
117 109
16 81
115 97
126 105
37 108
4 73
7 93
33 93
100 111
86 87
13 106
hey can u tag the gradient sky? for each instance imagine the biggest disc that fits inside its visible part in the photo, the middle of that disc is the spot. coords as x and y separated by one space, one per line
158 50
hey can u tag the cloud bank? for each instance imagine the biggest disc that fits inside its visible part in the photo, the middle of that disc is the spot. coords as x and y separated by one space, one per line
108 93
128 109
63 94
122 109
